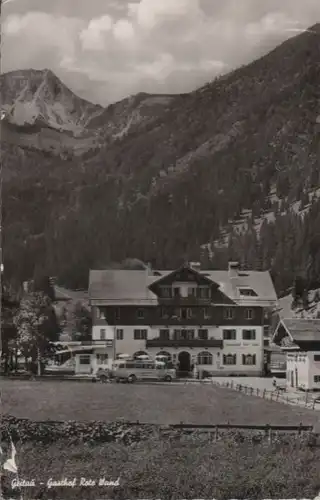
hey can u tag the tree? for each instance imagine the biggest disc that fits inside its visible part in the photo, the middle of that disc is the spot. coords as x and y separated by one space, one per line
9 306
82 322
31 321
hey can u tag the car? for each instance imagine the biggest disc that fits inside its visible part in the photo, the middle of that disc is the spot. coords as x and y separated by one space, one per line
102 375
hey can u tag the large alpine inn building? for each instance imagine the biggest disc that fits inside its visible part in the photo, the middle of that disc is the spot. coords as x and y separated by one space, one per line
210 321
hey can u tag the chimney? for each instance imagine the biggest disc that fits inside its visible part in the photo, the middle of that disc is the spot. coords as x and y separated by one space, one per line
196 266
233 269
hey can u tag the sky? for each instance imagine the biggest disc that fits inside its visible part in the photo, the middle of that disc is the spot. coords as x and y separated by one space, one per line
106 50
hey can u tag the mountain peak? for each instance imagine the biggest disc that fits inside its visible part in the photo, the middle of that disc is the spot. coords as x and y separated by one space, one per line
38 96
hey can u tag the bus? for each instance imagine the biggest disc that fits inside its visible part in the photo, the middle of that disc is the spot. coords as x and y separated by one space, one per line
132 370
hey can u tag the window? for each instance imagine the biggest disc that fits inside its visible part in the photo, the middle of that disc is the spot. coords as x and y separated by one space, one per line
228 313
164 334
183 334
166 292
140 314
192 292
119 334
203 334
176 292
190 334
140 334
316 357
102 334
266 331
229 334
204 292
316 379
206 313
247 292
101 313
84 359
248 334
248 359
205 358
102 359
229 359
117 313
164 313
186 313
248 313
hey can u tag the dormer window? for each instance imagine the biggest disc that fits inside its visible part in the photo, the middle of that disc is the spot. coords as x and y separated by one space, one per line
247 292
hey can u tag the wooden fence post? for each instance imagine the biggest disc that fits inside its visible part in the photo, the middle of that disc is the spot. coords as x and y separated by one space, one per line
264 393
258 392
251 391
269 433
216 433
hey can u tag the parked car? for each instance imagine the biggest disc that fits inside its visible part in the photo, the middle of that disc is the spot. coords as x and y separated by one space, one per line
102 375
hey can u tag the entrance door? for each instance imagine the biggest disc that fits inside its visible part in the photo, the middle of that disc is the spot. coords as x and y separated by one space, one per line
184 363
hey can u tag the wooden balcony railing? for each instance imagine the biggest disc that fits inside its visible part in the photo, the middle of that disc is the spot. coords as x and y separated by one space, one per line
184 343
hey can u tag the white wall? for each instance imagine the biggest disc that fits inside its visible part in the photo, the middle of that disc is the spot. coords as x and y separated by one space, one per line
239 346
96 334
314 369
298 368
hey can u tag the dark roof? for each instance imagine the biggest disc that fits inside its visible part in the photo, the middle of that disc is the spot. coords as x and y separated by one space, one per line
62 293
131 286
303 329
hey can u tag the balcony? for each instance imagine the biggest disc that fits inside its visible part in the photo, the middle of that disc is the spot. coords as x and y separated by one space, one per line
178 300
184 343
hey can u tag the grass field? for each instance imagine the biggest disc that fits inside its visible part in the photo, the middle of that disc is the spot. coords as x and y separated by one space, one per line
173 471
163 404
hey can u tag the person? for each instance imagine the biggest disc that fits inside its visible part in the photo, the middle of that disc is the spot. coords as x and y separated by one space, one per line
274 382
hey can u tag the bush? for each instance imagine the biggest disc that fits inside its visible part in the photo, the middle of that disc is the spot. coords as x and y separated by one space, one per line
174 466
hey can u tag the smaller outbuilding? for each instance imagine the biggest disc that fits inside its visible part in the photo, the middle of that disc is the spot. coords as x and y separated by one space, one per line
300 340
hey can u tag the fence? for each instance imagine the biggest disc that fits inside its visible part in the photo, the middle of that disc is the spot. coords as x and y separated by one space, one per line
213 429
305 400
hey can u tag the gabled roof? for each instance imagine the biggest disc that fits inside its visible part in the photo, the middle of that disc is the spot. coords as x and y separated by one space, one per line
119 285
62 293
303 329
259 281
300 330
131 286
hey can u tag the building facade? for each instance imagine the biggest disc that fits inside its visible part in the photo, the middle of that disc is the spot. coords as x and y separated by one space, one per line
210 321
300 341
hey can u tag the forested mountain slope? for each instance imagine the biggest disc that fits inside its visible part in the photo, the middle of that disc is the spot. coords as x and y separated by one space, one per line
170 174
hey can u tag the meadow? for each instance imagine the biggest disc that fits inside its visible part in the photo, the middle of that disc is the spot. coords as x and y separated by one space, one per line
163 404
180 466
170 470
